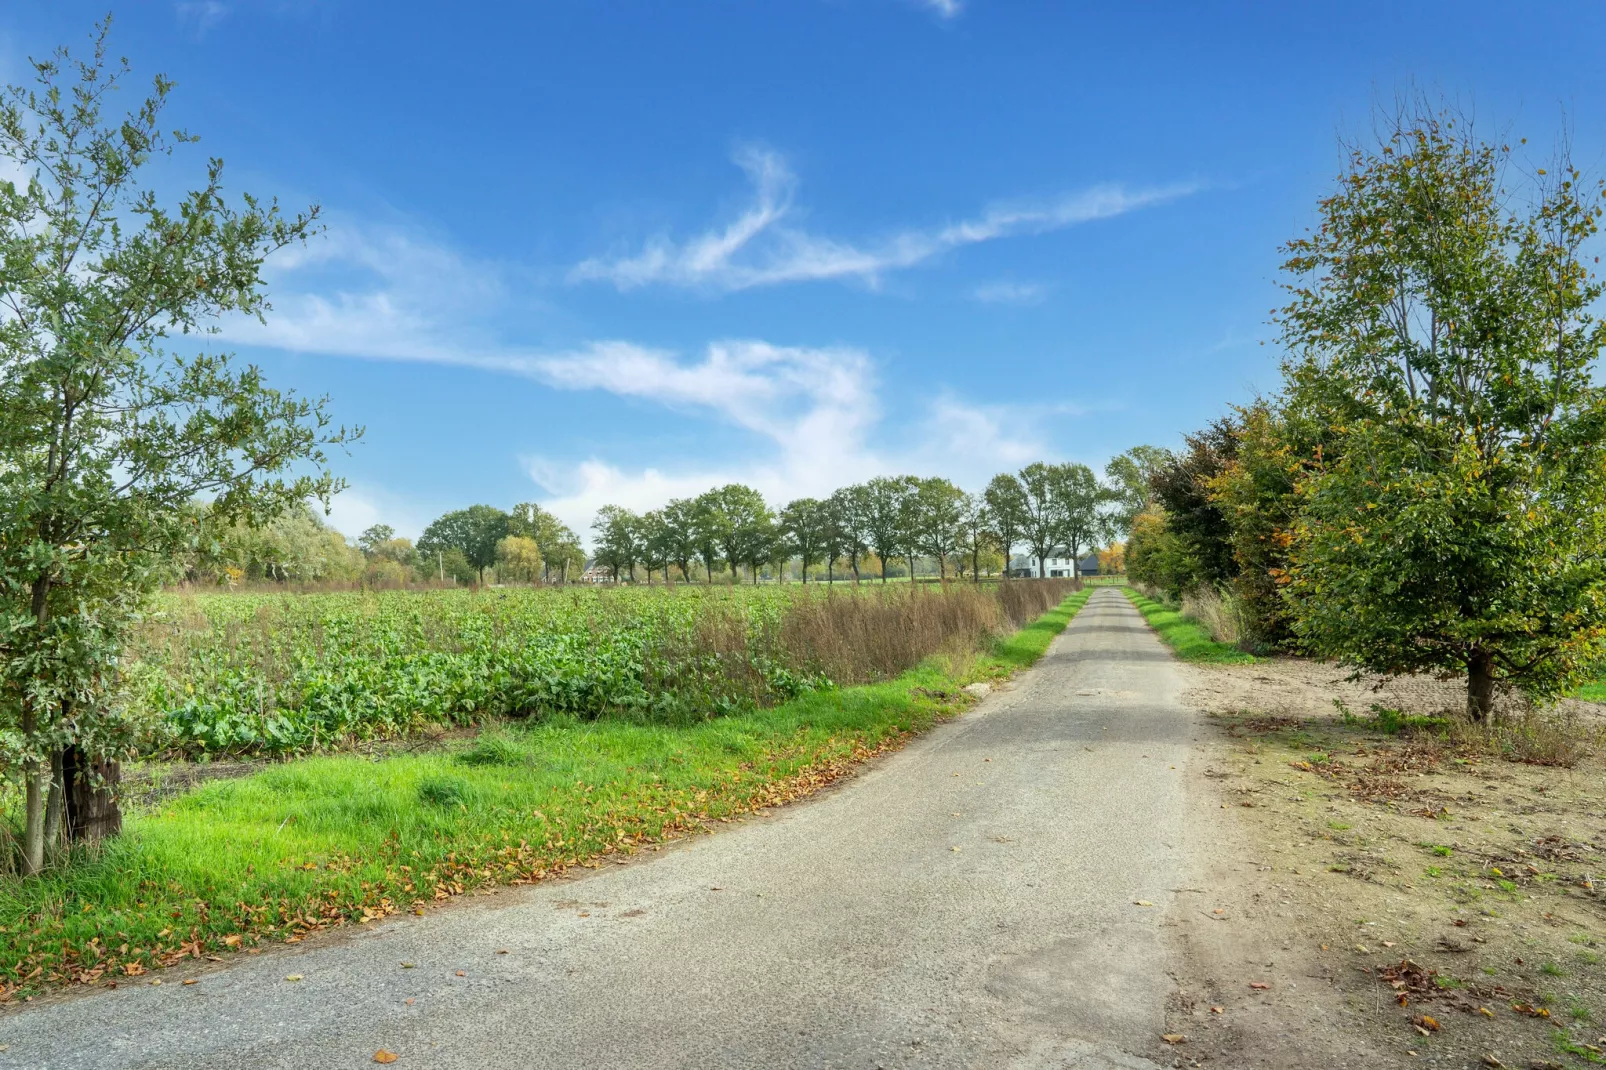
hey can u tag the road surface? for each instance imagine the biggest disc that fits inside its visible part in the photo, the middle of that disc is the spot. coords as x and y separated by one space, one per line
975 900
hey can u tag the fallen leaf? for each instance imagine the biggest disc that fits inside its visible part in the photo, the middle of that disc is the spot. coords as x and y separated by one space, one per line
1428 1022
1486 1012
955 849
1490 1060
461 973
1218 910
408 965
383 1056
190 981
501 951
1142 903
408 1001
1388 943
1259 984
1172 1038
232 940
1217 1010
292 977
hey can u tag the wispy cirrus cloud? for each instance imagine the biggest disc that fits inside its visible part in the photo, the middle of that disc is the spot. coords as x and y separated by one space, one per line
765 245
943 9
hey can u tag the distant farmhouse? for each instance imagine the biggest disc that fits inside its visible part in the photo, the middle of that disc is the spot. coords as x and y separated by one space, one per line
1025 566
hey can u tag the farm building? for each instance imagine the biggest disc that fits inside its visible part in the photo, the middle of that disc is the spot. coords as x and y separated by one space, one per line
1025 566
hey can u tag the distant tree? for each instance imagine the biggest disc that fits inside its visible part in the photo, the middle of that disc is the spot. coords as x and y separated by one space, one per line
1006 505
1441 319
652 532
617 534
294 547
848 507
709 524
1043 510
1082 500
374 537
1131 479
806 525
680 534
761 539
976 531
738 522
939 514
105 437
886 516
473 532
518 557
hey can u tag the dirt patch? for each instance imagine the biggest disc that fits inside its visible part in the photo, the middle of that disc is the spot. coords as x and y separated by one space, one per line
1408 900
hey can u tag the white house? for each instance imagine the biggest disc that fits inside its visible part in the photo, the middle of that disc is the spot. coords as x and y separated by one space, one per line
1025 565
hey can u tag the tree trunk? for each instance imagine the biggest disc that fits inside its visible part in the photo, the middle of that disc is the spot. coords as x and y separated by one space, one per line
33 820
53 803
92 812
1480 687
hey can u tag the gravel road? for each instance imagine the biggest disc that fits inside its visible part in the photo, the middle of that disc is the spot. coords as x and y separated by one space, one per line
978 899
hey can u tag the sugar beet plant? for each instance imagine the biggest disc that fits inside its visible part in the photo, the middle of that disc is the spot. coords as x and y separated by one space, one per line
285 674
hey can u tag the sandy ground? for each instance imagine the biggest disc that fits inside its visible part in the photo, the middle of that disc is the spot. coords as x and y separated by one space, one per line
1412 902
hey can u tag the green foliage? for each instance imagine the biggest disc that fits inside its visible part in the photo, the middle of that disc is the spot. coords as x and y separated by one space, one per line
1190 639
1131 480
1256 493
108 438
1157 557
294 547
1184 490
1439 321
805 530
888 508
473 532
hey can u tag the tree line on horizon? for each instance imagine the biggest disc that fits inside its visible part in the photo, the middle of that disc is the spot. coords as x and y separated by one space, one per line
1048 509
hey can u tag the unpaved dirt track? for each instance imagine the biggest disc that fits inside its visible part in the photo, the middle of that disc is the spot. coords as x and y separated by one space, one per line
969 902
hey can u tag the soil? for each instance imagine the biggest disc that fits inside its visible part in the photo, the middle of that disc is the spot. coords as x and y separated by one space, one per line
1405 899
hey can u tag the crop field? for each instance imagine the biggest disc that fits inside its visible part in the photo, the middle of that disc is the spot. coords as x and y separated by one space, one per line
235 674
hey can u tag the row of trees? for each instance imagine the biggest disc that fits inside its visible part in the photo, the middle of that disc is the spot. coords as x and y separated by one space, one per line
1050 509
1427 491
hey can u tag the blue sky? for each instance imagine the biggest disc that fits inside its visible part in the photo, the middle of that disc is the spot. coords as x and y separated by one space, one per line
590 252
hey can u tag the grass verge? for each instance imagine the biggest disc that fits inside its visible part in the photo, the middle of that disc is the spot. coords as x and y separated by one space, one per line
322 841
1186 636
1595 692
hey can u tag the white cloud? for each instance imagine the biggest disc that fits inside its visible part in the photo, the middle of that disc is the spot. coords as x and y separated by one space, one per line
761 247
945 9
1005 292
813 414
203 14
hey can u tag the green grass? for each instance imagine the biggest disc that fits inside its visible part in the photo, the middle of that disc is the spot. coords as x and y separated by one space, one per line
324 840
1595 692
1021 649
1186 636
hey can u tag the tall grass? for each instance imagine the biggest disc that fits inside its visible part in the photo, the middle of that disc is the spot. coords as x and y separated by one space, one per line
1221 615
1188 637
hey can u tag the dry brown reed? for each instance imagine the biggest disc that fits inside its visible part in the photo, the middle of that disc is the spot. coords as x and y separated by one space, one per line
859 636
